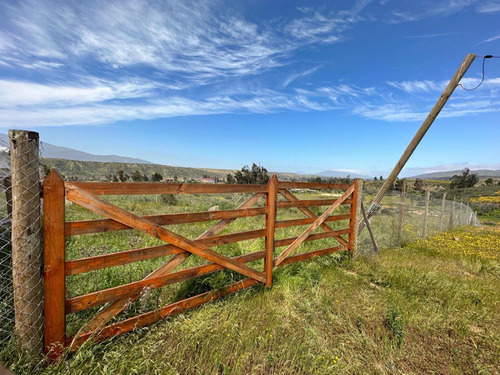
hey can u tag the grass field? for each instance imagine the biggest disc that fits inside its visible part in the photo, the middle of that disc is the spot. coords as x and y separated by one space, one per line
429 307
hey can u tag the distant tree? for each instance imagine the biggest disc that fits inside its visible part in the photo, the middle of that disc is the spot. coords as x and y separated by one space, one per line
122 176
230 179
466 179
175 178
156 177
419 184
256 175
398 185
381 178
145 177
136 176
375 178
489 181
115 178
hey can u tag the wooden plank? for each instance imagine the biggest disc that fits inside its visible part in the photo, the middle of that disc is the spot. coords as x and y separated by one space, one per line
312 254
104 208
153 316
73 228
309 220
272 194
306 211
181 306
313 237
311 203
312 185
115 308
77 266
100 297
314 225
53 269
74 267
145 188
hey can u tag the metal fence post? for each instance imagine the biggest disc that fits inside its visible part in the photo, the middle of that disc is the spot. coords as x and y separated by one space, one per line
26 240
426 212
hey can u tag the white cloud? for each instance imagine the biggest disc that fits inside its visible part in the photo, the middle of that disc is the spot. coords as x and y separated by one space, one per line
496 37
296 76
488 6
418 10
28 94
419 86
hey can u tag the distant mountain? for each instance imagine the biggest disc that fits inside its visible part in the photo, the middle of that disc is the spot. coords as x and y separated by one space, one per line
58 152
446 175
335 173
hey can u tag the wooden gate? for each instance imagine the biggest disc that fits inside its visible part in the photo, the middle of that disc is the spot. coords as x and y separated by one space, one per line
179 248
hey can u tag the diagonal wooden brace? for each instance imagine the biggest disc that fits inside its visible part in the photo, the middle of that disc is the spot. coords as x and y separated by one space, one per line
102 207
313 226
116 307
310 214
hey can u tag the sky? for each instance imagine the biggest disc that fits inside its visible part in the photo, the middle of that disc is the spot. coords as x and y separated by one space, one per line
297 86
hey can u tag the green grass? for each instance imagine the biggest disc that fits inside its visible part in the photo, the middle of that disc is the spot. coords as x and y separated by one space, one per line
428 307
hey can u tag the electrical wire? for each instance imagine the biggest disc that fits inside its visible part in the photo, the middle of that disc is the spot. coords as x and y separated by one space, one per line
482 78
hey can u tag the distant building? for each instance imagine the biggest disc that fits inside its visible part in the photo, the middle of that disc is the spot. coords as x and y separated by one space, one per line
205 180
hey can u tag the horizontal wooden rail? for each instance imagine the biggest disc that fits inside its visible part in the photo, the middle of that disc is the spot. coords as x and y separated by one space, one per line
311 203
186 304
126 290
74 267
309 220
312 185
73 228
311 254
148 188
153 316
312 237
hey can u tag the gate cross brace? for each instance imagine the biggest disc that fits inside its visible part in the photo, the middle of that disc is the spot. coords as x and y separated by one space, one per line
289 196
134 221
320 220
116 307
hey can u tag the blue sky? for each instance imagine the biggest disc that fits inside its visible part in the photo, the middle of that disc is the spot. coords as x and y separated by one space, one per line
294 85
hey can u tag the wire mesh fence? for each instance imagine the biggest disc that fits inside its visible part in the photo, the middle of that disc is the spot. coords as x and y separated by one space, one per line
21 291
398 219
402 217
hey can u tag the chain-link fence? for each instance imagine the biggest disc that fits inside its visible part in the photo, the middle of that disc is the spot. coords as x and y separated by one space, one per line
402 217
21 291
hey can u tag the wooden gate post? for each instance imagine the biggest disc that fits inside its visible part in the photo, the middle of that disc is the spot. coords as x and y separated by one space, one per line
53 270
272 193
26 240
357 197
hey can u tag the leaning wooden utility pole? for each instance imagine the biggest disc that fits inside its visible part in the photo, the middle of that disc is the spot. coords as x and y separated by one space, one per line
423 130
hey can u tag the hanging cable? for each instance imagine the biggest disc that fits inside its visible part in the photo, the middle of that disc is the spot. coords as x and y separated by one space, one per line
482 78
